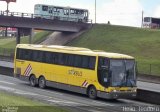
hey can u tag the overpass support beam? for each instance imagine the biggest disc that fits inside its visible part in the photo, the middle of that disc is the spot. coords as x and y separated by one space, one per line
31 35
18 36
6 32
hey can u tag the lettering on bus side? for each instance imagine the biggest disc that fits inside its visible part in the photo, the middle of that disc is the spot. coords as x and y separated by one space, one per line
75 73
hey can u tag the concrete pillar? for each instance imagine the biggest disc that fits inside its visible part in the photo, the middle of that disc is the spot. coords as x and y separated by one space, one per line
6 32
31 35
18 36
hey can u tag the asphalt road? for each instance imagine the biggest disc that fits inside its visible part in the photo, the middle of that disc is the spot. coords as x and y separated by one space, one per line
69 100
148 86
6 64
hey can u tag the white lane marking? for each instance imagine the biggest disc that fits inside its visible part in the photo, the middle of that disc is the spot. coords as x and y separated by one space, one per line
63 101
17 91
95 111
25 93
102 104
6 88
7 82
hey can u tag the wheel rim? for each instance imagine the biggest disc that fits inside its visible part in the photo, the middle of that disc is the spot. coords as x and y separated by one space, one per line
92 93
42 83
32 81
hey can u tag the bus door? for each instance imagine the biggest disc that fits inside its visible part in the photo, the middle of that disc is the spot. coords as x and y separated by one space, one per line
50 12
66 14
103 71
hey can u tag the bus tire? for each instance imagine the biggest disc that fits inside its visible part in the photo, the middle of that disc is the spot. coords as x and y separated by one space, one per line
32 81
92 92
42 82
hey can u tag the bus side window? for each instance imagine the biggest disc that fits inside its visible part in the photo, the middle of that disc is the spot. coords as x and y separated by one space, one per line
59 10
27 54
60 59
78 61
66 12
48 57
85 61
44 8
103 62
50 11
21 53
55 57
92 61
40 56
18 54
70 60
72 11
64 59
35 55
55 9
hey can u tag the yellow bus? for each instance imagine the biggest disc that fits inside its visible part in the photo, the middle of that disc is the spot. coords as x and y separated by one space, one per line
81 70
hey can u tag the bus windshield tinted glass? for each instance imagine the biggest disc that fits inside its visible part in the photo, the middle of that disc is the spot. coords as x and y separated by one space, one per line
122 73
147 19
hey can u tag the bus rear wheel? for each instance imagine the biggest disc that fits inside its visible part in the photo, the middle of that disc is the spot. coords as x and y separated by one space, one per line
32 81
92 92
42 82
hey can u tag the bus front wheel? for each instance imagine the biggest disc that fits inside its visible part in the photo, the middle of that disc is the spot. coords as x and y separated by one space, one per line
32 81
42 82
92 92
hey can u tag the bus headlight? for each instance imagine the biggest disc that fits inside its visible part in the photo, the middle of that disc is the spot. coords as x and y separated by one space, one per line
134 90
114 90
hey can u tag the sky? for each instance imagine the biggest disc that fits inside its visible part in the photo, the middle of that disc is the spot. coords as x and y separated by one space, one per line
118 12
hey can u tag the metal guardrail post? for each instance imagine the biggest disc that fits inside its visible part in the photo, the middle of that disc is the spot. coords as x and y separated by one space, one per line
22 15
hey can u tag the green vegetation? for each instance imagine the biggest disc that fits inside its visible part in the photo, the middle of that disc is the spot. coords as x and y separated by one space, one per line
143 44
7 45
11 42
25 105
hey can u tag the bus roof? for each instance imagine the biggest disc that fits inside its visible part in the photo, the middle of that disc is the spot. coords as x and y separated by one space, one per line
74 50
115 55
60 6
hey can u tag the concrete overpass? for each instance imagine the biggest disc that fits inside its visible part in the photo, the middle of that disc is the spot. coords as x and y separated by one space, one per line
26 22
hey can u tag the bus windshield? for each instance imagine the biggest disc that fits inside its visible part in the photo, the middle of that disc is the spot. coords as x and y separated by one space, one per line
123 73
147 19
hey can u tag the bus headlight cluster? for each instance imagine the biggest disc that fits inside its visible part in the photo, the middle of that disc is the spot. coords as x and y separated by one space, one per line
114 90
134 90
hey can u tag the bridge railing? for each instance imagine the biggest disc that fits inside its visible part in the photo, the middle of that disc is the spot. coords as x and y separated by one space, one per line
50 17
16 14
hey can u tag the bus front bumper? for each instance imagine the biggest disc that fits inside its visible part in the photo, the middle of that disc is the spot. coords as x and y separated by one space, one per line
117 95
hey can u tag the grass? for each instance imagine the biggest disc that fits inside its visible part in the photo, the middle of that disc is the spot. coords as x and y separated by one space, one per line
7 45
11 42
25 105
143 44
